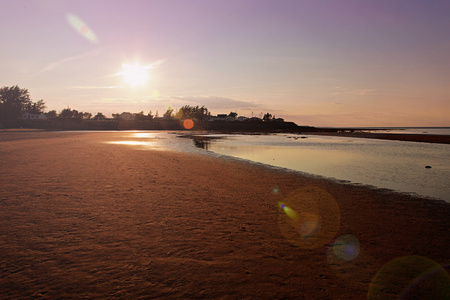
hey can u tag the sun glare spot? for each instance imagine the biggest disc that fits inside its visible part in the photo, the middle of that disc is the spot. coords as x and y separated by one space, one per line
135 75
188 124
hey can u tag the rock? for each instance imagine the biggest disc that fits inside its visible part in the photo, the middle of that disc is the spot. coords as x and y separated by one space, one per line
427 167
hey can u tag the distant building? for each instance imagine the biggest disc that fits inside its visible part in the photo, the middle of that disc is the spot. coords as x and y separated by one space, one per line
30 116
126 116
222 117
219 117
225 117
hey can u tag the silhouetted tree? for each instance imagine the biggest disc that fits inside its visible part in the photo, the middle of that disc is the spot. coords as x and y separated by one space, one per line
81 115
169 113
202 113
184 112
13 102
192 112
140 116
36 107
267 117
66 113
87 115
99 117
233 114
52 114
77 114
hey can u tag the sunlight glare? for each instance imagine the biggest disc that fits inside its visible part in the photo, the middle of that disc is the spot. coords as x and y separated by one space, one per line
135 75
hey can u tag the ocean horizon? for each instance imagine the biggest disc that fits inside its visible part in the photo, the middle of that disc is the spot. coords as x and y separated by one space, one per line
409 130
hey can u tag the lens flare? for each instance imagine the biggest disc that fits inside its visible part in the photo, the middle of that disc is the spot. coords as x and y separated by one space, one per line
344 256
188 124
288 211
155 93
309 217
81 27
410 277
346 247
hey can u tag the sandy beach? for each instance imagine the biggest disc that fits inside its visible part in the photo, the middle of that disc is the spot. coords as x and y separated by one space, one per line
82 218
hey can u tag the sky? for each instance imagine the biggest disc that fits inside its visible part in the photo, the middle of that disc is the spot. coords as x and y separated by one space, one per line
338 63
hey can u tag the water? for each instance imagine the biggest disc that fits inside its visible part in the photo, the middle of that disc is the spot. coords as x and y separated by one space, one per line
393 165
157 140
413 130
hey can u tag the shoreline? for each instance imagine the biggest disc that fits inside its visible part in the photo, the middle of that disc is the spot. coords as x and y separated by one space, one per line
315 165
83 218
422 138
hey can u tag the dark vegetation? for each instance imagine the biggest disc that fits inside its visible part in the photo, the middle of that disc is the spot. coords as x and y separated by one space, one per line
17 110
15 103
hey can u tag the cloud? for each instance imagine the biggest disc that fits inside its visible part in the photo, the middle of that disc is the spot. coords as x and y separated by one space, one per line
88 87
215 102
66 60
157 63
355 92
122 101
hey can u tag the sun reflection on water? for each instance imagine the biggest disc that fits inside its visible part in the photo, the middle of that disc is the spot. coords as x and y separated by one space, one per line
133 143
149 140
144 135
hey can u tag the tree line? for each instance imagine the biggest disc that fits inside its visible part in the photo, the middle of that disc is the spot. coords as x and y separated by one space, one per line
15 101
199 113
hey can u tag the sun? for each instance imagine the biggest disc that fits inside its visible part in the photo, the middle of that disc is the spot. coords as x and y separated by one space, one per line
135 75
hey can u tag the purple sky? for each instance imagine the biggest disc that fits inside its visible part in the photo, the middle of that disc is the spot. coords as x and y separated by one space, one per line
319 63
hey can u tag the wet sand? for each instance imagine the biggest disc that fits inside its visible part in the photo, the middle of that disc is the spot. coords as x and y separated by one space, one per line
80 218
